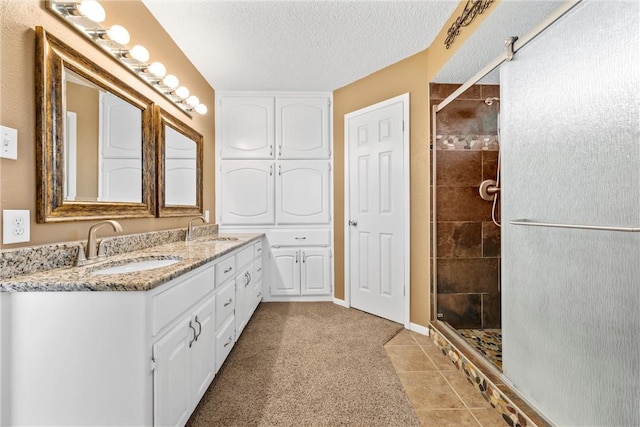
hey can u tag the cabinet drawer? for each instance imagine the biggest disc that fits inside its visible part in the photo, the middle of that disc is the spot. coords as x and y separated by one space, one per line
257 269
257 250
225 302
174 301
299 237
244 257
224 341
225 270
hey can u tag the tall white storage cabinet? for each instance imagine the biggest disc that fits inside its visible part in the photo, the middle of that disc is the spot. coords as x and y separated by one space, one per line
274 174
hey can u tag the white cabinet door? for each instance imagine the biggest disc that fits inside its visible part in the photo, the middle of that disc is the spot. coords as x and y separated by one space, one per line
242 300
315 271
180 175
302 127
203 362
121 180
285 272
247 192
247 125
120 128
302 195
171 385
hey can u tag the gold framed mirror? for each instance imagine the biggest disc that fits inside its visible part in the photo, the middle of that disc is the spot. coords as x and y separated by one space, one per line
95 152
180 151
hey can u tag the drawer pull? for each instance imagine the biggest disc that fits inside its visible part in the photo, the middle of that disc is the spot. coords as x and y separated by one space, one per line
228 302
228 270
229 341
194 334
300 238
199 328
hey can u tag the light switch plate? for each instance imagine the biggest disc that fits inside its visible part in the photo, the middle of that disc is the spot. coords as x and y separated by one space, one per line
8 143
206 216
15 226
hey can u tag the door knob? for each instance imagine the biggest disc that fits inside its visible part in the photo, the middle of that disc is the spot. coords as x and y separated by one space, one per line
353 223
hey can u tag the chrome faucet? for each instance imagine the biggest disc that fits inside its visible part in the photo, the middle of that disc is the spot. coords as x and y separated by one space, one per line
92 255
190 227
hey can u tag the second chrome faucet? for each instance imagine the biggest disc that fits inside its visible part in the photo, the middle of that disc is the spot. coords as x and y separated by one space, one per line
189 234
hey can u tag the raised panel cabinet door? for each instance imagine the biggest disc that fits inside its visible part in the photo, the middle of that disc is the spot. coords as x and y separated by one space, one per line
120 180
179 188
285 272
302 127
203 350
302 195
247 127
242 300
172 402
315 271
247 192
120 128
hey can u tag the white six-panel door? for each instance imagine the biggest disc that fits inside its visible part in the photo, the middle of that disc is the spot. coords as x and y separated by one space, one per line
377 210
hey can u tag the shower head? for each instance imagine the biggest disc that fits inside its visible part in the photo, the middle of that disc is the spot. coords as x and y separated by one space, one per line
489 101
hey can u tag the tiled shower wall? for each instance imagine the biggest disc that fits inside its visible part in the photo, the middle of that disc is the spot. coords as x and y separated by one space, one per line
468 243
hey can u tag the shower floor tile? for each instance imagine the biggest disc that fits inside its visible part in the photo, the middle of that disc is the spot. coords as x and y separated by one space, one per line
486 341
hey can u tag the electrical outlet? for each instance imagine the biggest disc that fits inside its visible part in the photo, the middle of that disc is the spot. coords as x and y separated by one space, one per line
8 143
15 226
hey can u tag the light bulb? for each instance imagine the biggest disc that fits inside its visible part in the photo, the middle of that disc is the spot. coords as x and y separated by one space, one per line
201 109
118 34
192 101
182 92
157 70
139 53
92 10
170 81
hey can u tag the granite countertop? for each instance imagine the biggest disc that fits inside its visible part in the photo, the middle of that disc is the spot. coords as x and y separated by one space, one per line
192 255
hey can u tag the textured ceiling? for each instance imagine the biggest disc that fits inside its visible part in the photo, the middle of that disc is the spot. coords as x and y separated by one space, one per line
509 18
298 45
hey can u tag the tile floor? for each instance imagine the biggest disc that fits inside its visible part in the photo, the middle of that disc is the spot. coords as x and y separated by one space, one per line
440 394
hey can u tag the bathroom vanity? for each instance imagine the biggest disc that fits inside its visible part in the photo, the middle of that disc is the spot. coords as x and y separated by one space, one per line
85 346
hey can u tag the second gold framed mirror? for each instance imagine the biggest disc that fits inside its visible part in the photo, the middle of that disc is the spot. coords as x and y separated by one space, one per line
179 166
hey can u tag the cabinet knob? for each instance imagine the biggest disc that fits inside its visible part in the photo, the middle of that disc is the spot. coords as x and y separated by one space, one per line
353 223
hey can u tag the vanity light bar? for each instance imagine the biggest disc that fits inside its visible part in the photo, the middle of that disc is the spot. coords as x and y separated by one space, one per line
86 16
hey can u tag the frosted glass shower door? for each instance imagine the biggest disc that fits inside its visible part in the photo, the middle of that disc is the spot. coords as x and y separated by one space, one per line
571 155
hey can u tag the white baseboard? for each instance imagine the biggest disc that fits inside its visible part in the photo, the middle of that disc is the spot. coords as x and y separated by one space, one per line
419 329
340 302
298 299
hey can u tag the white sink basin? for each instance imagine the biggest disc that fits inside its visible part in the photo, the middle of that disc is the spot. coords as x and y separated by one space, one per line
135 266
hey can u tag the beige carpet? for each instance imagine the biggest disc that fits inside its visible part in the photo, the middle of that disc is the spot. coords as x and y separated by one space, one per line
308 364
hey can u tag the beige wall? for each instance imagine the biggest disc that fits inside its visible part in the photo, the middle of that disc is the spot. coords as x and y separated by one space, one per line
411 75
17 103
85 102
